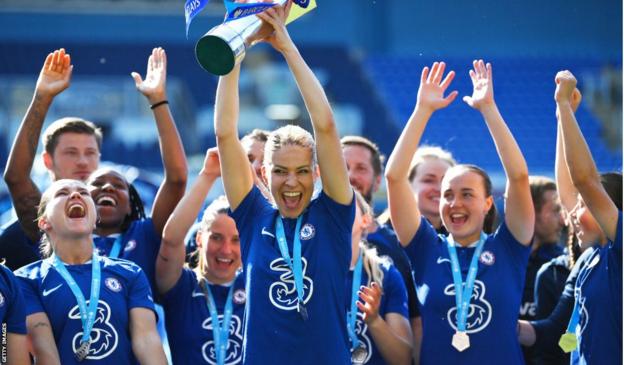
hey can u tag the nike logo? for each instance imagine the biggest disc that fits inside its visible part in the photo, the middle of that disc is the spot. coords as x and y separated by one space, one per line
442 259
267 233
196 294
49 291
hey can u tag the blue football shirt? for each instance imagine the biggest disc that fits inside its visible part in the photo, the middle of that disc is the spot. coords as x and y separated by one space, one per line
275 332
496 296
123 287
11 303
189 324
139 244
598 291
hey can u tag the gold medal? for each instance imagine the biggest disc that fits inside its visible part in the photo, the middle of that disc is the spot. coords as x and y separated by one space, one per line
461 341
567 342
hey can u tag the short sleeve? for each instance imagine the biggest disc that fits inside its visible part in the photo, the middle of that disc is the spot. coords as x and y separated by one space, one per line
253 205
29 285
342 215
395 292
15 317
139 292
183 286
424 239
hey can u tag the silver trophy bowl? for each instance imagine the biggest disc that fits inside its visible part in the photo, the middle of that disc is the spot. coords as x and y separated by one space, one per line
224 46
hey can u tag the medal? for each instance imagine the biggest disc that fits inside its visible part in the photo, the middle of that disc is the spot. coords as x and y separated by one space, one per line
302 311
567 342
461 341
82 351
358 356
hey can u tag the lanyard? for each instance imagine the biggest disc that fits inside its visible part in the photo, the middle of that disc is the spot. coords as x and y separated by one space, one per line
114 252
220 333
295 263
87 313
462 298
352 315
568 341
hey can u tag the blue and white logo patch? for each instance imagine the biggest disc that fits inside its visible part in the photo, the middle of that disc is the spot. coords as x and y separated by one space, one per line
2 300
487 258
239 296
307 231
113 284
131 245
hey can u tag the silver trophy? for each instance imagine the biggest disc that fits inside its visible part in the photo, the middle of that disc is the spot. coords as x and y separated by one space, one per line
219 50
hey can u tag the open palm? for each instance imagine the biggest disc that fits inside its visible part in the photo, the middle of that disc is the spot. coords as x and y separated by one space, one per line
154 85
432 88
55 74
482 86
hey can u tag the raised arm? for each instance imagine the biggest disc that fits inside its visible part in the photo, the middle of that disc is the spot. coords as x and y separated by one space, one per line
565 188
328 150
172 252
579 159
53 79
519 212
171 149
237 181
146 344
402 201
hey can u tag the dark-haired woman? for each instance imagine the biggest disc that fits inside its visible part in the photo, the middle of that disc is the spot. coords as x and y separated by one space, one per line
470 284
594 332
122 228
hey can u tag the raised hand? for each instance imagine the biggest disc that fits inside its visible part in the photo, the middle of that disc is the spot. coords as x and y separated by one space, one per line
566 84
211 163
154 87
276 17
482 86
371 296
432 88
576 99
55 74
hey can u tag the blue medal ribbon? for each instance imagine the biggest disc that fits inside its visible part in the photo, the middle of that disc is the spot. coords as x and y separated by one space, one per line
352 315
191 9
462 297
114 252
87 313
294 264
220 332
240 10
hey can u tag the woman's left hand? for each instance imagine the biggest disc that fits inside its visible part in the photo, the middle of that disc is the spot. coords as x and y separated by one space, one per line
276 17
371 296
482 86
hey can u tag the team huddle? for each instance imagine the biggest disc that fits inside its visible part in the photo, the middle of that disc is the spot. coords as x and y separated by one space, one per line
291 266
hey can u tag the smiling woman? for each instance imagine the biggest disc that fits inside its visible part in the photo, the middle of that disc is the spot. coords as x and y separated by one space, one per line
300 301
122 328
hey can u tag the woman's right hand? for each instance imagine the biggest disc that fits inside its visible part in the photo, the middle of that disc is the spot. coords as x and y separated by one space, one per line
432 88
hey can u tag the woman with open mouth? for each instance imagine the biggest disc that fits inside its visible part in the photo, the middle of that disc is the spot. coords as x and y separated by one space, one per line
295 253
470 283
122 229
116 324
203 306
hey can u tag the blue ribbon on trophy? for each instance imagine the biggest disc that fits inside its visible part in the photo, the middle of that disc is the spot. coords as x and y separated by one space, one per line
224 46
191 9
239 10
